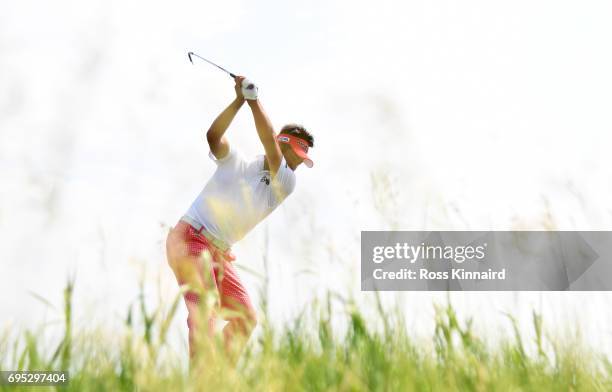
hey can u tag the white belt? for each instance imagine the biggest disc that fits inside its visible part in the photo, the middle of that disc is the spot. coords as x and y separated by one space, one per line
202 230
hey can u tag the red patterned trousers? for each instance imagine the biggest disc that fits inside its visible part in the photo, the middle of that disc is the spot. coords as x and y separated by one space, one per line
186 250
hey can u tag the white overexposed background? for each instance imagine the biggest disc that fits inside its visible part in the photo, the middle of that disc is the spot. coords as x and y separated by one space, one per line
427 115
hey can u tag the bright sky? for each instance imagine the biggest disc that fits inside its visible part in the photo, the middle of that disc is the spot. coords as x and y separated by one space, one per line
426 115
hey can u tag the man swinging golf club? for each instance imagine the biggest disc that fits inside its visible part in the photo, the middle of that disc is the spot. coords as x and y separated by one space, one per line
239 195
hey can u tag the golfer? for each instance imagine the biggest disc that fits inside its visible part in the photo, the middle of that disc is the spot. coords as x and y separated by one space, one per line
239 195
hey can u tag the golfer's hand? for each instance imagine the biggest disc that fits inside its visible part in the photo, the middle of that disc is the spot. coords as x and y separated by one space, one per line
238 87
250 90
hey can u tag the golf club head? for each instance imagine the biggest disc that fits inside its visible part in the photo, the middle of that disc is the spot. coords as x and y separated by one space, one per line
190 59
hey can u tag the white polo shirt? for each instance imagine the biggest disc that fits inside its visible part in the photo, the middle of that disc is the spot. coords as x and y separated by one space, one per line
239 195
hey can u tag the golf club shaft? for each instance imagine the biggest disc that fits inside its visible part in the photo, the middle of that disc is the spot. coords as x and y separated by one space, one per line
209 62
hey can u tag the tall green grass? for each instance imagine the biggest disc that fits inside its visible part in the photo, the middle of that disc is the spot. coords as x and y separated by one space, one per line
310 354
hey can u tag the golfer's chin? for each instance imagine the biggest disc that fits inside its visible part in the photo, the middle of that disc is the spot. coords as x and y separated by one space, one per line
293 164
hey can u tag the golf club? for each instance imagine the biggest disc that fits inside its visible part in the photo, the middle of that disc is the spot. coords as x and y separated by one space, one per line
190 54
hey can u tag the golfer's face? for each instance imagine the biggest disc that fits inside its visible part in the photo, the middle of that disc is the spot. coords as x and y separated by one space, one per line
292 157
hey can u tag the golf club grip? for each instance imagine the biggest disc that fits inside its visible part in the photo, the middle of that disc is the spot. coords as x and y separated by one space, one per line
232 75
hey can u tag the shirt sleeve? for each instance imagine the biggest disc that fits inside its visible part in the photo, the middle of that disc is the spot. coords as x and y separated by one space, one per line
284 178
232 155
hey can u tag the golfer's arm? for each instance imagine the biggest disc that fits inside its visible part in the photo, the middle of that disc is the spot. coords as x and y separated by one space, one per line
217 142
266 133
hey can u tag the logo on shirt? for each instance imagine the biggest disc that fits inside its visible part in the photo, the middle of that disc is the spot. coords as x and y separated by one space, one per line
265 179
